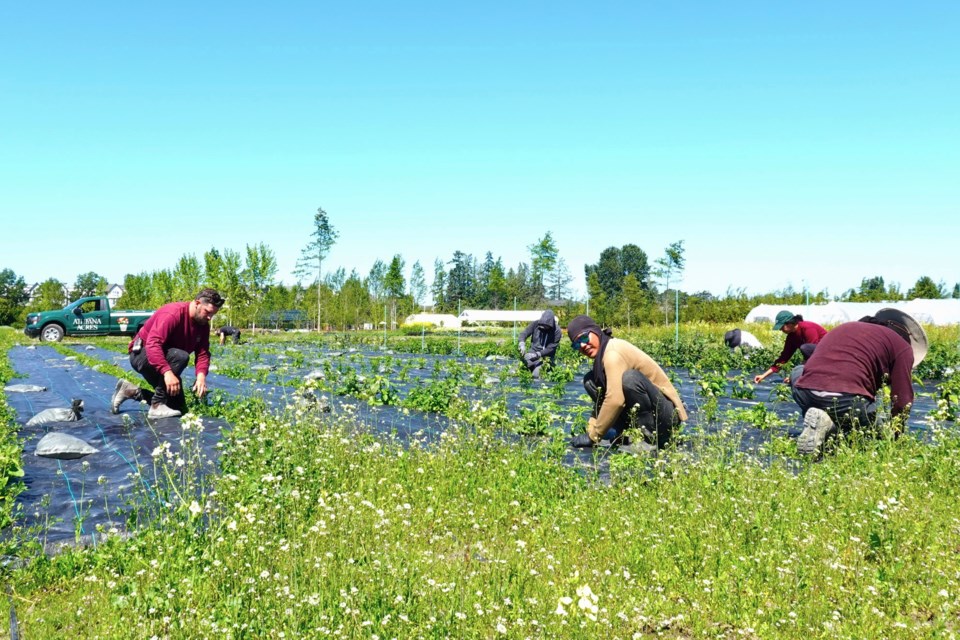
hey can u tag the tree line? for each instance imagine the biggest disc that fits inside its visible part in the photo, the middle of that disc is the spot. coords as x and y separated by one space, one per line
624 287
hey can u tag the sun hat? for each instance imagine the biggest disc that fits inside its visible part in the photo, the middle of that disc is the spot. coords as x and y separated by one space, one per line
782 318
732 338
915 333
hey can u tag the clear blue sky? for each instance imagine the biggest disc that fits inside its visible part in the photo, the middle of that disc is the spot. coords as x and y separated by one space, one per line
787 144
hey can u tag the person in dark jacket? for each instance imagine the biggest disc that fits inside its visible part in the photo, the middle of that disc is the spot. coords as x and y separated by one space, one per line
545 336
801 334
225 331
837 388
160 352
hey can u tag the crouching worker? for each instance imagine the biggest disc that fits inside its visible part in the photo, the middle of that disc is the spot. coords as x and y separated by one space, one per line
160 352
545 336
802 335
223 332
837 388
628 388
743 339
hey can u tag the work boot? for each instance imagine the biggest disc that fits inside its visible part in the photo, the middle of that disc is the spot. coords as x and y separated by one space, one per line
536 373
818 427
124 391
162 411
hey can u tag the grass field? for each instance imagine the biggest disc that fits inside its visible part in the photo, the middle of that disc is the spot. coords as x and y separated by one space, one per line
314 530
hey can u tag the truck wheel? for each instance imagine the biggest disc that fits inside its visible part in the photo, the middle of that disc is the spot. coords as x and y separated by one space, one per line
52 333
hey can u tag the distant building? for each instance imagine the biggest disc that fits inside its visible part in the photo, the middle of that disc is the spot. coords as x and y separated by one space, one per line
475 316
937 312
114 291
33 291
447 320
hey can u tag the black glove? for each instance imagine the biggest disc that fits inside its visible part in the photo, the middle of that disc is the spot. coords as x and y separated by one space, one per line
581 441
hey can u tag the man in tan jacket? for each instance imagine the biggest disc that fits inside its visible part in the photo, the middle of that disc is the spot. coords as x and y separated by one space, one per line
629 389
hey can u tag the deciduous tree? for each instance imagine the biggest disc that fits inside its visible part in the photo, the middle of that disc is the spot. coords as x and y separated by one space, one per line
89 284
13 297
324 236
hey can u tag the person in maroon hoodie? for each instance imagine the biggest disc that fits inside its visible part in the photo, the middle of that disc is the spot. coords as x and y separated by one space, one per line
837 388
160 352
801 334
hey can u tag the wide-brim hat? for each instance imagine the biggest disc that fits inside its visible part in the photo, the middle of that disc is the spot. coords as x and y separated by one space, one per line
918 337
782 318
732 338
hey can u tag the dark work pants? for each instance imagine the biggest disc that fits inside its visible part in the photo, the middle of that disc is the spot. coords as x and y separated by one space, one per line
847 410
646 409
177 359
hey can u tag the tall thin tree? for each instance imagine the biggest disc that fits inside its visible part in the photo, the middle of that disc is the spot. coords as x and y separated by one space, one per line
324 236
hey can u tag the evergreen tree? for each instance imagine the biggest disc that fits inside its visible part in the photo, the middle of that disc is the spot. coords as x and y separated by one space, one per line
543 259
558 281
439 287
461 279
926 289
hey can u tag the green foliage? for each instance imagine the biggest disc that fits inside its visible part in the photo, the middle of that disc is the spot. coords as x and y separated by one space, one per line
742 388
435 396
471 534
13 298
948 399
539 417
757 416
11 449
712 384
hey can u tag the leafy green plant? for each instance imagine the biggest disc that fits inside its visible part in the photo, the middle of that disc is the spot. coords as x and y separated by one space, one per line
435 396
948 399
712 384
742 388
757 416
538 418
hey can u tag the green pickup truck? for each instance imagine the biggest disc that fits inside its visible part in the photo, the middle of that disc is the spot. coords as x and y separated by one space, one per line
90 316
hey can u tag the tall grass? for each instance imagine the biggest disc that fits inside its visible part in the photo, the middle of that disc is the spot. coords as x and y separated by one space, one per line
314 529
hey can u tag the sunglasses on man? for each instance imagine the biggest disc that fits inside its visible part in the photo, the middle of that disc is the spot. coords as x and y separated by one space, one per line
581 340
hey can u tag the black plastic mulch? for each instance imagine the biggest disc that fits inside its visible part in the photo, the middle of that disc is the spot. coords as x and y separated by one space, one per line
74 499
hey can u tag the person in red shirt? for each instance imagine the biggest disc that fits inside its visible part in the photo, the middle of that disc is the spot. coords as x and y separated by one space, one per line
160 352
836 389
801 334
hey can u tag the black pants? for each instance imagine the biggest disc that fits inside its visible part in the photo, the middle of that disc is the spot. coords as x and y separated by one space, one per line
646 409
847 410
177 359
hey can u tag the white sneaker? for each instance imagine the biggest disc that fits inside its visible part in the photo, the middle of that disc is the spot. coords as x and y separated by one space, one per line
162 411
817 428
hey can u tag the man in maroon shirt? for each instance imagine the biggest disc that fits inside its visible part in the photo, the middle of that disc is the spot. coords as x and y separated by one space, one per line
837 387
160 352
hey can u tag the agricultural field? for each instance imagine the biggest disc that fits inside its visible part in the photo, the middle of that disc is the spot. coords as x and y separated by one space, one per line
403 486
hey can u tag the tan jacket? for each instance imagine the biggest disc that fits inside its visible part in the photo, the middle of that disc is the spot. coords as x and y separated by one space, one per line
619 357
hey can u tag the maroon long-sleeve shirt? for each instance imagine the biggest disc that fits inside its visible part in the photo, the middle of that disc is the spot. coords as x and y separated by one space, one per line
855 357
806 333
170 327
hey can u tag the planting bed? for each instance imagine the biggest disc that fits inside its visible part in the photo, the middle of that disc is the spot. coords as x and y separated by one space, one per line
400 395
